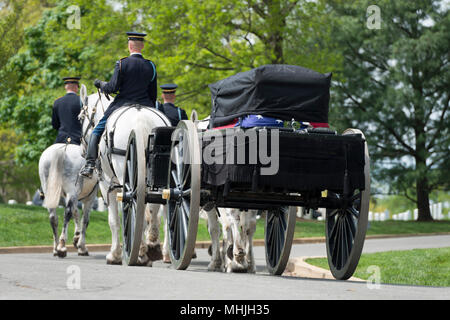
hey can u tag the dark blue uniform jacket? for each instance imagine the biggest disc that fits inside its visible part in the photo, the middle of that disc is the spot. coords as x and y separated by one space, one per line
65 118
136 81
175 114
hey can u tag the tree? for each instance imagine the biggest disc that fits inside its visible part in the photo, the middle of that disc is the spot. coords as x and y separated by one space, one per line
16 181
195 43
51 51
395 88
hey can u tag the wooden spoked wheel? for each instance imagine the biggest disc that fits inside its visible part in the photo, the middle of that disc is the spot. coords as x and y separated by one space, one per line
279 233
346 227
184 203
133 202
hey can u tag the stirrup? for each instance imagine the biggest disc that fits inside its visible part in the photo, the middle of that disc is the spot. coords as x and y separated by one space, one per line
87 170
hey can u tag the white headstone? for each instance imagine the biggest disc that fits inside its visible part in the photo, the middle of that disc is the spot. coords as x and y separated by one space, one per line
12 201
433 211
440 216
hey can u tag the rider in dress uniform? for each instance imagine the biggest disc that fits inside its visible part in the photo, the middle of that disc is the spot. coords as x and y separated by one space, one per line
65 113
174 113
135 79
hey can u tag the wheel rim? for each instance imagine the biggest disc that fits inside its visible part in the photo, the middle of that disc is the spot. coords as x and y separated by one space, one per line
280 225
342 225
182 211
133 204
346 227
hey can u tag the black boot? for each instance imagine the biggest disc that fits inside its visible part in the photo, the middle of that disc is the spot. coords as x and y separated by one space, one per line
91 157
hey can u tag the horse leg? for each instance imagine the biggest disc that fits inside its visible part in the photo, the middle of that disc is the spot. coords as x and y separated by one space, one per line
166 256
54 224
216 263
150 249
152 237
238 262
87 206
115 255
71 206
77 231
227 244
248 223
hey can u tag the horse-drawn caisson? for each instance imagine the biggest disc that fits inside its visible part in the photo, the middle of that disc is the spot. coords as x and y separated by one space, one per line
294 160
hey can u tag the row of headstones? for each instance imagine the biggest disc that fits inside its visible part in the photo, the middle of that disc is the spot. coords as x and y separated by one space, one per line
435 209
436 213
100 203
379 216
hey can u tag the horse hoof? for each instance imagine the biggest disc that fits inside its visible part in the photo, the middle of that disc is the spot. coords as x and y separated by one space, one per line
154 252
114 262
144 262
83 254
62 253
215 266
237 267
166 258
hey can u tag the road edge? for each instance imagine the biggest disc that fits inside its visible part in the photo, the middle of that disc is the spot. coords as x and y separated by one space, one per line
203 244
298 267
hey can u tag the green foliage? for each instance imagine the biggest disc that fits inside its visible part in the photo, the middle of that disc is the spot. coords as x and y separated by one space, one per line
16 181
392 83
196 43
394 86
52 51
193 43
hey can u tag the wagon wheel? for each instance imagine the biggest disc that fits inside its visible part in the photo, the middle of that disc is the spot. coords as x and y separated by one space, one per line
279 232
184 202
133 198
346 227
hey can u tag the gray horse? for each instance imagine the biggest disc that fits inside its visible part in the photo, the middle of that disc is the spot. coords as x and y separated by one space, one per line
59 166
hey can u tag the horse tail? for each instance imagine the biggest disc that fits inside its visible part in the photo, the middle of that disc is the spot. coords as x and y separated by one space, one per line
54 181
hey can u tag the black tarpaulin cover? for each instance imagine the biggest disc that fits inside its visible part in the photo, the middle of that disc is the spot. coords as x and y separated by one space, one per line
306 162
281 91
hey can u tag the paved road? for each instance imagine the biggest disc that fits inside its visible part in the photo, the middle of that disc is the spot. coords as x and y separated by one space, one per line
42 276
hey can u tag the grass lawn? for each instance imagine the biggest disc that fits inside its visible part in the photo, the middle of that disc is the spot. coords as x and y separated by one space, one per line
22 225
425 267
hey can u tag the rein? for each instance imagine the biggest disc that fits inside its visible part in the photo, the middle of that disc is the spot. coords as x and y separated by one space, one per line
90 118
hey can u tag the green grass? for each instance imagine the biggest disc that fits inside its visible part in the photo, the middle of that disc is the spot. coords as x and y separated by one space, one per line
22 225
425 267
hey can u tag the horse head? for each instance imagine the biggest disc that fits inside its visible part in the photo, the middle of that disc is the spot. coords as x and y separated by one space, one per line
92 109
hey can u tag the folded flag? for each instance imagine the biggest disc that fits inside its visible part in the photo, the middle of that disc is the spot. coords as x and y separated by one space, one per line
259 121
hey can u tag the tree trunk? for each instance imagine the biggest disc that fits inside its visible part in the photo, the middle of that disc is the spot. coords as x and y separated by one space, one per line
423 201
277 23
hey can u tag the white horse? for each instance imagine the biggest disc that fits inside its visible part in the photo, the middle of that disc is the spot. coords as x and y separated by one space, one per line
117 133
59 166
238 228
